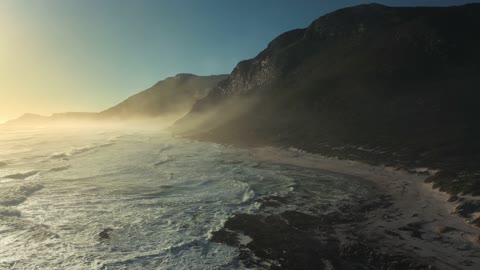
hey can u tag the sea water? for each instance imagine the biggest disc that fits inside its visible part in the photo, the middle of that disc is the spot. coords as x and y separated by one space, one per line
157 198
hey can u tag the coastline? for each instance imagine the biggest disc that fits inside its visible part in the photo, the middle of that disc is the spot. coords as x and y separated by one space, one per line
408 226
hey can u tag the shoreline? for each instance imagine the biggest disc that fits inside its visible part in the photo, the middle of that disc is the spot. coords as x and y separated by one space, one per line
408 226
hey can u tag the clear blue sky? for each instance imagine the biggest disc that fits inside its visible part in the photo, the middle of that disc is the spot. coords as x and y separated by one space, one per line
85 55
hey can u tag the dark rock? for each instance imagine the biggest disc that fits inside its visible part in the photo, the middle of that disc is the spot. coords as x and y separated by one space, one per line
105 234
296 240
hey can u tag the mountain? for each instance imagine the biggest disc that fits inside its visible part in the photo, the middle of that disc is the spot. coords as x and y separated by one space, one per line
172 96
28 119
395 86
35 119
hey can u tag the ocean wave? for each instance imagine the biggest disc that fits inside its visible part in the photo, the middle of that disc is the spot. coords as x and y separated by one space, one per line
174 257
105 144
165 148
78 150
16 196
114 138
21 176
165 159
58 155
173 194
60 168
10 212
248 195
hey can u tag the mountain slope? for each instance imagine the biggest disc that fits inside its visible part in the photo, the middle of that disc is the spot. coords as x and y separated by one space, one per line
397 86
172 96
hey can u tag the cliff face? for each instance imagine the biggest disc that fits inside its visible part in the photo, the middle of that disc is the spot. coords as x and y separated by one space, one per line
402 81
172 96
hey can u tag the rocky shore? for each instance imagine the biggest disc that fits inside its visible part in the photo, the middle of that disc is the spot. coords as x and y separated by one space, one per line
400 223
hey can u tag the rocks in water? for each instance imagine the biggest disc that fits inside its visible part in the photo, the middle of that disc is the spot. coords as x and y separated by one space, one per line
290 239
105 234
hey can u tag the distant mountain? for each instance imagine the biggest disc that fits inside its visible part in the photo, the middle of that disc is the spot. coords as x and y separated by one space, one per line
394 86
35 119
28 119
172 96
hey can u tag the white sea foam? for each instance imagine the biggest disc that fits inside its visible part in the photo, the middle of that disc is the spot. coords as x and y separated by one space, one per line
161 196
244 239
16 194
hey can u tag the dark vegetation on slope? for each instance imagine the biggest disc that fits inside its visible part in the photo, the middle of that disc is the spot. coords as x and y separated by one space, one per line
392 86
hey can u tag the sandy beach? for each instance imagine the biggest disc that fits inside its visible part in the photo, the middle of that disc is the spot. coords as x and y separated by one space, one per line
418 221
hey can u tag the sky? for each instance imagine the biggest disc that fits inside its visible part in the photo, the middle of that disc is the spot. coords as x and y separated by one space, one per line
87 55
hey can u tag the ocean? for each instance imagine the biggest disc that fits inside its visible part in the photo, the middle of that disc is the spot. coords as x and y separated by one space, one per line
133 198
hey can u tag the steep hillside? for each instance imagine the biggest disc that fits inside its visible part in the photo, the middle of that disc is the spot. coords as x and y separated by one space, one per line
394 86
172 96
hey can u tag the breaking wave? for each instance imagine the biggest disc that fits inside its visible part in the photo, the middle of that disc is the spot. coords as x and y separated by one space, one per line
22 175
79 150
17 195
